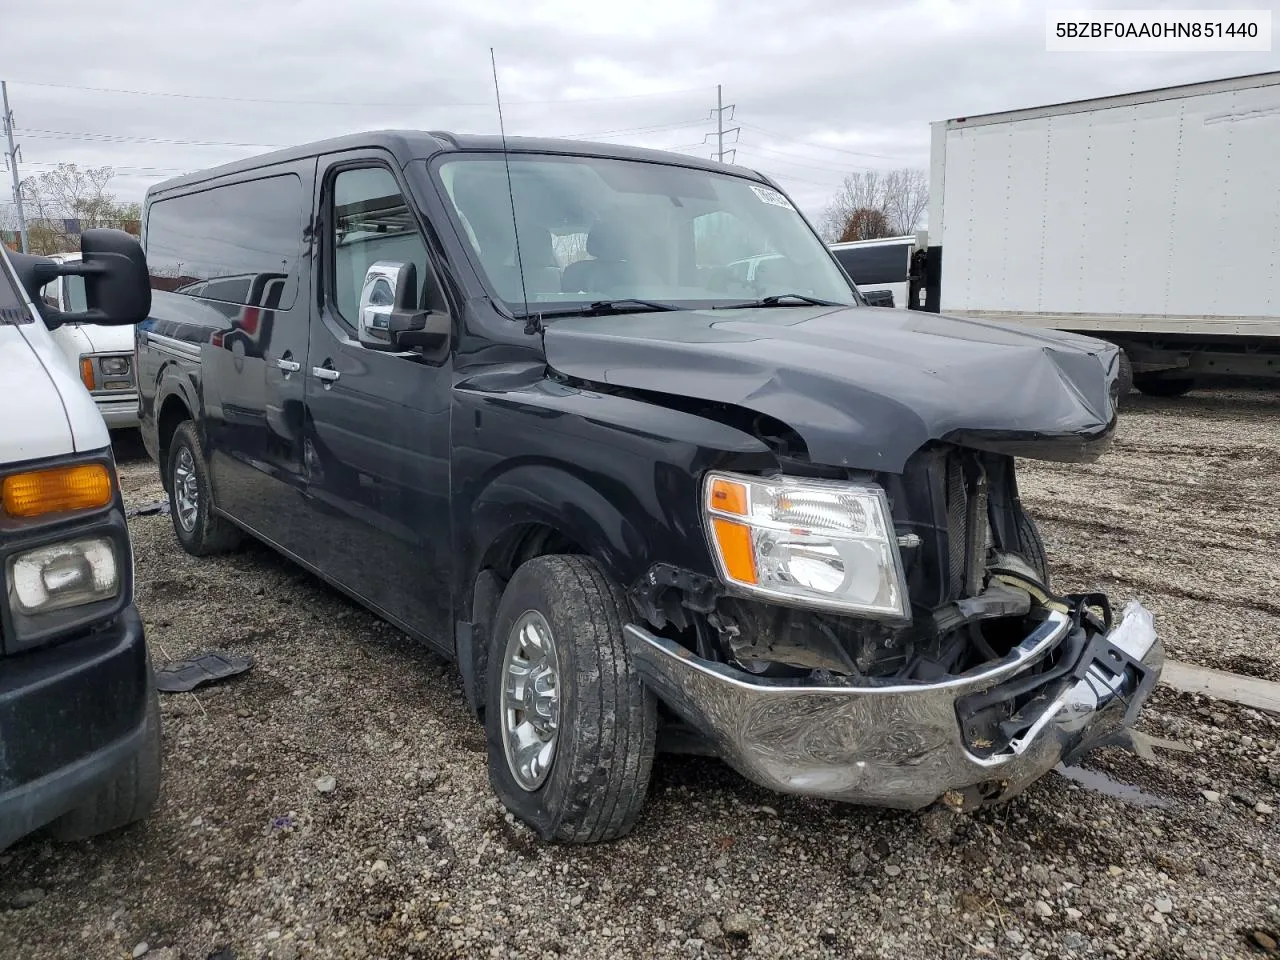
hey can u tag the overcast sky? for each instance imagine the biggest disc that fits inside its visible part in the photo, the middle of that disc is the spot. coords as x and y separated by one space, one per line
822 87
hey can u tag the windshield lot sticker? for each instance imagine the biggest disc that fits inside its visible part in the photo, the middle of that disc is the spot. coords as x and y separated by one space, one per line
769 195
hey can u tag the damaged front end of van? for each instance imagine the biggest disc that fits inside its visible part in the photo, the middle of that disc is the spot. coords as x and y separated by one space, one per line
881 626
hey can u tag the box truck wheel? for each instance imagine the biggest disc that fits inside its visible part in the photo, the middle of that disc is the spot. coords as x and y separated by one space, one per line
1155 386
1124 378
570 725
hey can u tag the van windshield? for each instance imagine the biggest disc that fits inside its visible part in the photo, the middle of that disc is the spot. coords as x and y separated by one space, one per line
593 229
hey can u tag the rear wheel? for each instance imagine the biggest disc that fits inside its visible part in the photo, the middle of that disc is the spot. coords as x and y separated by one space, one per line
1162 386
570 726
129 797
200 531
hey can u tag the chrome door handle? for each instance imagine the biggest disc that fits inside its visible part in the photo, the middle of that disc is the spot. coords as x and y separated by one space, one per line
326 373
290 366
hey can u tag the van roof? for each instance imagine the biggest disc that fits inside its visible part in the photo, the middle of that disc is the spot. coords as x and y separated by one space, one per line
408 145
877 242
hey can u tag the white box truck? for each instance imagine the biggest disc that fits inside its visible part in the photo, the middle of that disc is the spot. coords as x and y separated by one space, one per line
1150 219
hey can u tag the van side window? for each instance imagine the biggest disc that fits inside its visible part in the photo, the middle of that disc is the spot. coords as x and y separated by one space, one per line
371 222
236 243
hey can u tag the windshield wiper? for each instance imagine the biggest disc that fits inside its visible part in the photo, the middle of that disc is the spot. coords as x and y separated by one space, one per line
602 308
777 300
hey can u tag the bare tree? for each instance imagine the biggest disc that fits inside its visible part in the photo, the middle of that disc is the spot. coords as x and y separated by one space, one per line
863 190
906 197
865 223
68 193
901 196
9 227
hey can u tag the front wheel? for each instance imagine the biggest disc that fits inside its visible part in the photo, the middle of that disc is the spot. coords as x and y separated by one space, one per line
1031 546
570 726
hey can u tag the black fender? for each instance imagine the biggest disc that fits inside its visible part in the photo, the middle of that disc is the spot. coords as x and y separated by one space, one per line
615 477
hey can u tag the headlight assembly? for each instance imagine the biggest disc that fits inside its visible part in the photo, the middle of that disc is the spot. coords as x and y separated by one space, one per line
114 366
819 543
63 575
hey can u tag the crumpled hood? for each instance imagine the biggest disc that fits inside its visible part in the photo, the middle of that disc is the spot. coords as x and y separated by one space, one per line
864 387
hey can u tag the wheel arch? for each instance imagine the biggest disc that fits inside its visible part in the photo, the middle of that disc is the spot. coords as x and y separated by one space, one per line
529 511
171 412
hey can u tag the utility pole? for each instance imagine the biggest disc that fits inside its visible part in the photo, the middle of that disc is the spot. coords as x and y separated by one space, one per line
11 160
717 113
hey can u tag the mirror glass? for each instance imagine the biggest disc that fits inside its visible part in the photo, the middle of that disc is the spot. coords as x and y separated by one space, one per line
377 301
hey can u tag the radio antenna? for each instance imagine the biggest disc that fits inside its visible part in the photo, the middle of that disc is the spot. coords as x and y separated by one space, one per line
531 323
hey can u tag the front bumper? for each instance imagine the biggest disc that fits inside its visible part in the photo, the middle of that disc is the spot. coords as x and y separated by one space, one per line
71 716
119 412
902 746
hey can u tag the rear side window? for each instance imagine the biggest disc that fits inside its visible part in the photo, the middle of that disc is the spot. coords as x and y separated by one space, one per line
237 243
887 263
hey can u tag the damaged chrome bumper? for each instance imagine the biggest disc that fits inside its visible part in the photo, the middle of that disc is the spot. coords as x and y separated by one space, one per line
903 746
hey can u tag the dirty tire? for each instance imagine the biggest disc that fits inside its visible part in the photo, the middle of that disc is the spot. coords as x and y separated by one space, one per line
1162 386
1031 546
1124 379
599 775
130 796
211 533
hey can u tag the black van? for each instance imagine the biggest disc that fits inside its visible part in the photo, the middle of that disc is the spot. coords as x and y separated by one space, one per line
512 397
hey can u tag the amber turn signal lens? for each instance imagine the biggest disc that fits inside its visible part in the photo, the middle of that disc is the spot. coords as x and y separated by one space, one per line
728 497
739 557
86 372
60 489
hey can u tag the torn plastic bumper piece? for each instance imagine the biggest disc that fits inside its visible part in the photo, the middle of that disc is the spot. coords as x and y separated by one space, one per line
902 746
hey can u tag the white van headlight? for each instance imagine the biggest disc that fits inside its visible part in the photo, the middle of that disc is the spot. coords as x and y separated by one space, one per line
61 575
820 543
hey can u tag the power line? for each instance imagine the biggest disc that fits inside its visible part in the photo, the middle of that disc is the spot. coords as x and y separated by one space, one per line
345 103
632 130
37 133
125 170
794 179
822 146
90 137
786 160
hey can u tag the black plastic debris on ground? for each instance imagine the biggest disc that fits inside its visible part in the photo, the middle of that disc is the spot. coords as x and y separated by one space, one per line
149 509
183 675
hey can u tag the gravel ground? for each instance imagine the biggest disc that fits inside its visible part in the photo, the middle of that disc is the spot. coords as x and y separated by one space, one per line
410 855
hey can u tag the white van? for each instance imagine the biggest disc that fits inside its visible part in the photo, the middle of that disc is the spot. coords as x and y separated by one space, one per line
79 717
883 265
101 355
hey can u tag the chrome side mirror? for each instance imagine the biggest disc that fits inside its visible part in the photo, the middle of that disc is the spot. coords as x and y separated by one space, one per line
383 283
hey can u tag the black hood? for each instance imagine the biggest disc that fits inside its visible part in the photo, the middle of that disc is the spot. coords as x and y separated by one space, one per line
864 387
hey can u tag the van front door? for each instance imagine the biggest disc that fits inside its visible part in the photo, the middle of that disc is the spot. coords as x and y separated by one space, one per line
377 443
